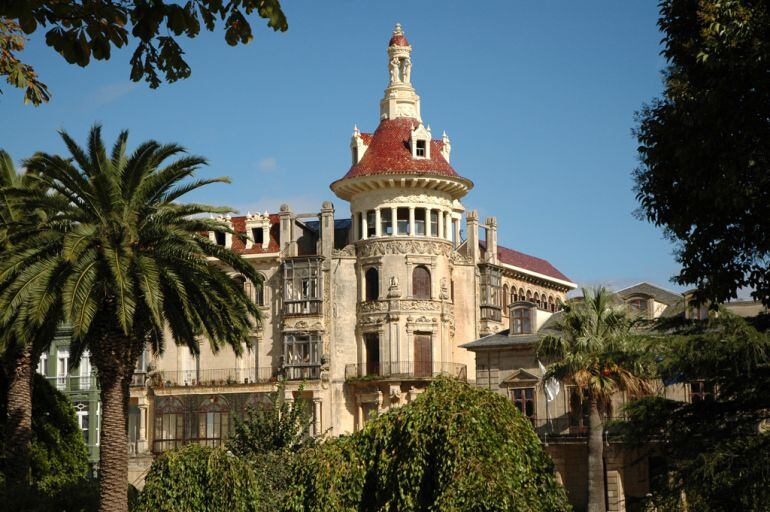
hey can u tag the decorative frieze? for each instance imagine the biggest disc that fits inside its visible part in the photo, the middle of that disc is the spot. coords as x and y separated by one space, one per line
383 247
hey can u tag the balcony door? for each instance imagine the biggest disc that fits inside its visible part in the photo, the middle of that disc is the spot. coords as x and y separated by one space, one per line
423 355
372 342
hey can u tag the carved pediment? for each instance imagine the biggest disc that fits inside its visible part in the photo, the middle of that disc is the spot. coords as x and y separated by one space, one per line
520 377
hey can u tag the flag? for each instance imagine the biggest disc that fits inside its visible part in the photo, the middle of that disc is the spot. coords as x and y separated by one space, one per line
551 386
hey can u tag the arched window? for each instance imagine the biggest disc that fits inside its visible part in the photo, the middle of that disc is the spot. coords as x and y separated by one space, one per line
551 304
421 283
505 300
243 284
372 279
529 295
213 421
537 299
521 295
259 293
514 295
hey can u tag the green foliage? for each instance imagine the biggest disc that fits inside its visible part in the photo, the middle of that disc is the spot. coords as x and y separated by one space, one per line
455 448
59 459
704 146
594 349
201 479
280 425
717 449
79 31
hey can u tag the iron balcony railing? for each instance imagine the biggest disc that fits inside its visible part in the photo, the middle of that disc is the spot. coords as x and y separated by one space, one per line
405 370
302 372
216 377
73 383
161 445
138 379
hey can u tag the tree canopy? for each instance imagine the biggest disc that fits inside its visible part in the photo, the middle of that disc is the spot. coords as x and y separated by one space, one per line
716 450
80 31
704 146
455 448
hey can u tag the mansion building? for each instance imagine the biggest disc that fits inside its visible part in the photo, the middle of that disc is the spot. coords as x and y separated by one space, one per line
365 302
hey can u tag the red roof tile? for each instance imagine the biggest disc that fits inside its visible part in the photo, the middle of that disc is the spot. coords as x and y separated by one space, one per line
389 152
398 40
525 261
239 246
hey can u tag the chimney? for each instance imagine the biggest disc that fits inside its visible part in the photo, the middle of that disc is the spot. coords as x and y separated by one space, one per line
288 245
472 226
491 229
327 228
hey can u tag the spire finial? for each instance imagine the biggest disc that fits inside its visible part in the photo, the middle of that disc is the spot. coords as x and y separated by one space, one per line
397 31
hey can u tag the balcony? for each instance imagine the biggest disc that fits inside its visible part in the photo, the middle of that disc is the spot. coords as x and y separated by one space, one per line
302 372
138 379
216 377
404 370
310 307
565 429
74 383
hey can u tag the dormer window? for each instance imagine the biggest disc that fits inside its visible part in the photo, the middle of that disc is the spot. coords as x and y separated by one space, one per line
420 149
258 234
220 238
521 323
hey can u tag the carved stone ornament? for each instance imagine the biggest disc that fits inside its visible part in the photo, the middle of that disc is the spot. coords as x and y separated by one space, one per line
419 305
383 247
444 289
372 306
349 251
393 291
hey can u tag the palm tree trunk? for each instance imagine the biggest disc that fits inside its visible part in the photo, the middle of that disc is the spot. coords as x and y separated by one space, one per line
114 370
596 501
18 425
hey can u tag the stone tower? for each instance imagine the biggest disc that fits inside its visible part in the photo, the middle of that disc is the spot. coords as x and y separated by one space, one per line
406 212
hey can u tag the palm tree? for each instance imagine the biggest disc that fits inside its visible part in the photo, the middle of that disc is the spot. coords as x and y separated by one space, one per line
127 263
21 343
595 351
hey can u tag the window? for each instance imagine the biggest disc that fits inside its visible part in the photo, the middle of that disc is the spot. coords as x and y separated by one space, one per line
402 215
579 410
522 321
259 294
386 218
372 279
302 355
371 223
62 367
372 346
421 283
638 305
529 295
551 304
220 238
419 221
434 223
360 218
420 149
213 421
524 400
302 286
423 354
491 293
258 235
700 391
536 299
81 411
169 424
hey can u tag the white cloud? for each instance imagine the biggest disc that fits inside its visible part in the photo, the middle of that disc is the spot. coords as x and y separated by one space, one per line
110 93
267 164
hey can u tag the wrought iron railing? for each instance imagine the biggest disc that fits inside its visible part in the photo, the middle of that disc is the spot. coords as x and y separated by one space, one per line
404 370
566 427
215 377
302 372
162 445
138 379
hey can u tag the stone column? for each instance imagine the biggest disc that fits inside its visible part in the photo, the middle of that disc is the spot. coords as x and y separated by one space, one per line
393 221
364 227
440 224
427 222
378 222
412 230
448 229
142 441
354 231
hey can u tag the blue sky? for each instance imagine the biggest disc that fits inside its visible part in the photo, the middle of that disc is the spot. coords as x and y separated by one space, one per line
538 99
